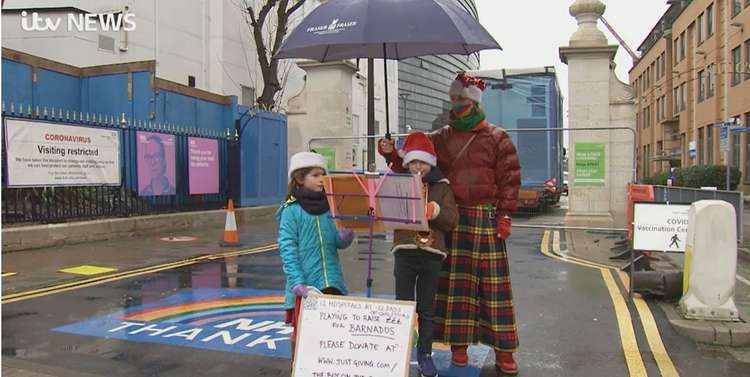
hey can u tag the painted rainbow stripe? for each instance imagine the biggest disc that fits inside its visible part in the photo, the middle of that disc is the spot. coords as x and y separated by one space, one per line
204 312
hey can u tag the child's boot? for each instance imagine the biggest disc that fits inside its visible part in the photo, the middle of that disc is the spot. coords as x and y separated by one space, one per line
426 365
459 357
504 361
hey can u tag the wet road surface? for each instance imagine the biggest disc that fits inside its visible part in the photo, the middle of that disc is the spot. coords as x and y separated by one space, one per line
223 317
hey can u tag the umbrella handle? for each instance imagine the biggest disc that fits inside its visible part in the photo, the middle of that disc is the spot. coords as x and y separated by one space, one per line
388 136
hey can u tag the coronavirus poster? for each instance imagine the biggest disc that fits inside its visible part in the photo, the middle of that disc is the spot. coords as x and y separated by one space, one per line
49 154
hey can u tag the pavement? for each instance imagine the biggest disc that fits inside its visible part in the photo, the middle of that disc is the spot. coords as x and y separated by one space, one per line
168 309
596 247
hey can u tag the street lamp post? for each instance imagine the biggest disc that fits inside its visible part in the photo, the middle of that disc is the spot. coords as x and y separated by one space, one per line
404 96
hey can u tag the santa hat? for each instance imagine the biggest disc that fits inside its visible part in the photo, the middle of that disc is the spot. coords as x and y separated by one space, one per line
418 147
468 87
303 160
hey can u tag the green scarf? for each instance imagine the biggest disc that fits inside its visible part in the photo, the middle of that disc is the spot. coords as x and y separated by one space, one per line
468 122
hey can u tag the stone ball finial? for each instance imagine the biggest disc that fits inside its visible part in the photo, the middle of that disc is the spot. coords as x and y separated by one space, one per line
587 13
587 6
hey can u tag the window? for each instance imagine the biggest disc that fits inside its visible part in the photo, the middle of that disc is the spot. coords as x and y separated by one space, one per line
710 85
746 68
659 152
747 150
710 21
736 7
675 50
683 46
658 109
676 101
736 66
699 31
710 145
701 85
663 64
683 96
700 146
663 107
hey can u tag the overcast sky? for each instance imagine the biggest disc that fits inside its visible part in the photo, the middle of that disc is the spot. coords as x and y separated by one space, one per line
531 31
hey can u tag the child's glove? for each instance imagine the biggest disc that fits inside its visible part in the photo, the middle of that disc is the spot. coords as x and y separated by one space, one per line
503 227
347 236
433 210
300 290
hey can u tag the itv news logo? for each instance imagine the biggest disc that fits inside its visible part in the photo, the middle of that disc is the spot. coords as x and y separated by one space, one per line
79 22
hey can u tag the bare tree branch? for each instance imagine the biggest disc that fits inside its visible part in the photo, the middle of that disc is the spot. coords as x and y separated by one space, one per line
268 32
294 8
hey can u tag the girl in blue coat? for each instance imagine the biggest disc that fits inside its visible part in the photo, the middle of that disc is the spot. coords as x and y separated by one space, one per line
308 238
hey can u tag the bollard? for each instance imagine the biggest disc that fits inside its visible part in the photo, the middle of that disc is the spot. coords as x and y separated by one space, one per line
710 262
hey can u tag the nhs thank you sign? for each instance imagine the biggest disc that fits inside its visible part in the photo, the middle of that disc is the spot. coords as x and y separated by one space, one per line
47 154
660 227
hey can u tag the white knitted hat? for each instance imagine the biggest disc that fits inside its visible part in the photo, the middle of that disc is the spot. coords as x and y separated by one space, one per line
303 160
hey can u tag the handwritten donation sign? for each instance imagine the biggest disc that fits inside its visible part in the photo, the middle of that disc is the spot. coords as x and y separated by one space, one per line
48 154
353 337
660 227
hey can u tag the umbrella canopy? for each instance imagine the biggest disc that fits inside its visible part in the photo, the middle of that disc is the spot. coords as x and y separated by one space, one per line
389 29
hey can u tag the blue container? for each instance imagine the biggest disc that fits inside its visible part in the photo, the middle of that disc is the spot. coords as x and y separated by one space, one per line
529 99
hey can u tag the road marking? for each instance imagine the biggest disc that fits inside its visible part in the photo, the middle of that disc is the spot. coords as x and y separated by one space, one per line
663 361
87 270
6 299
633 357
743 280
625 323
563 255
6 274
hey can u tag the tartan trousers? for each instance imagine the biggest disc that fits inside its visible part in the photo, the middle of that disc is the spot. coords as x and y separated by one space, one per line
474 303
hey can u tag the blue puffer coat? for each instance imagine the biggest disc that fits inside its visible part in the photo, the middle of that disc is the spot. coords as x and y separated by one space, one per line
309 250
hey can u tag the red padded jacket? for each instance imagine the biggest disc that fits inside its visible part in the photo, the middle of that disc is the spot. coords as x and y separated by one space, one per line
488 172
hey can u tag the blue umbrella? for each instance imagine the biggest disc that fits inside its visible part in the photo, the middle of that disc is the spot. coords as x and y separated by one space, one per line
385 29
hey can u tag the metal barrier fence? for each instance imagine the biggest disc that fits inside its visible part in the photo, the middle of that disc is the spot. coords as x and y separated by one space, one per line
688 195
58 204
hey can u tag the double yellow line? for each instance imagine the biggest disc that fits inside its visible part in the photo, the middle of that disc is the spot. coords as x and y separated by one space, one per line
7 299
630 348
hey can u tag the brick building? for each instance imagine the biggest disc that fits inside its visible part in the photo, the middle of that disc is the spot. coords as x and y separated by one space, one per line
694 74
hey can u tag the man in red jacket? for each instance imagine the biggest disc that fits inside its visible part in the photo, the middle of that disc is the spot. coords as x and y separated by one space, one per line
474 303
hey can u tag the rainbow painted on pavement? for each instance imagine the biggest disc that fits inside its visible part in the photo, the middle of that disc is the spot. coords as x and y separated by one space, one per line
247 321
230 320
202 313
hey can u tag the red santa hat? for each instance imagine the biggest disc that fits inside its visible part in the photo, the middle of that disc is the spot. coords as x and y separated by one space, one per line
468 87
418 147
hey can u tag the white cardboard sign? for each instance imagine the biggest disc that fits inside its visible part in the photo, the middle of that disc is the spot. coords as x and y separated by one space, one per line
660 227
352 336
47 154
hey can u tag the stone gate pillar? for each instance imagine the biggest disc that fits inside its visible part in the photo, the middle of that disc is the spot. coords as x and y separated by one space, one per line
600 163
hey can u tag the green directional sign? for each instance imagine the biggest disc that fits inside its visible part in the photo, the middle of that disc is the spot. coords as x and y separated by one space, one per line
589 164
330 155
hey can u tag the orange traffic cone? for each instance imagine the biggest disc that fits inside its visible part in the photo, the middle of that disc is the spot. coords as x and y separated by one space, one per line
231 238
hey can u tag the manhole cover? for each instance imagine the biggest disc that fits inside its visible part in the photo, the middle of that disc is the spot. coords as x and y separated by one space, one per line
179 238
